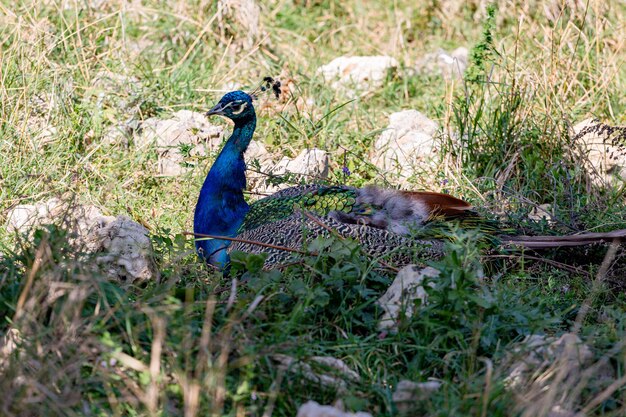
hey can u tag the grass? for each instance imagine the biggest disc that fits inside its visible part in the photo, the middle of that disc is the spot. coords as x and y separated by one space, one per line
186 345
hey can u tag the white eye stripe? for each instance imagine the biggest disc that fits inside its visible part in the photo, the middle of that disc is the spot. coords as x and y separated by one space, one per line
241 108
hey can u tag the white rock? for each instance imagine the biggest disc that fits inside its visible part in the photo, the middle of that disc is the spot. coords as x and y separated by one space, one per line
120 133
310 165
541 212
347 73
258 151
10 341
402 293
117 91
408 393
407 142
559 411
26 216
258 164
337 380
449 65
314 409
186 129
605 160
536 353
243 13
337 365
122 246
544 370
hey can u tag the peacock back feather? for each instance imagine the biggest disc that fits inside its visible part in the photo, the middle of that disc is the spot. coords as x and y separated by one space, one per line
318 199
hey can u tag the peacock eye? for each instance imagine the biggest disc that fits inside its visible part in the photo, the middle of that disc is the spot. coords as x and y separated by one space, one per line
238 108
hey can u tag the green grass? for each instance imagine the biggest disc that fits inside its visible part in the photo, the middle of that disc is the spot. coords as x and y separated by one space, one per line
180 347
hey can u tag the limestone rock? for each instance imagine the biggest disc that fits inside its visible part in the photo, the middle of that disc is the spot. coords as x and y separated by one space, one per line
541 212
348 73
10 341
241 17
402 293
186 133
309 165
119 92
314 409
258 152
409 394
312 163
540 352
336 376
546 372
24 218
121 246
407 142
604 148
120 133
450 65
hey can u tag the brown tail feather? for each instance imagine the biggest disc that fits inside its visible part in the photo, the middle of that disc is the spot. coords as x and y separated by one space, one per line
440 204
540 242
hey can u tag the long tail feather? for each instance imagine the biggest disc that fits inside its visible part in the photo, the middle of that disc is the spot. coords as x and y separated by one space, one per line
541 242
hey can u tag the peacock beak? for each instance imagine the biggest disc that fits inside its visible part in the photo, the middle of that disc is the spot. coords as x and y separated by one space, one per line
217 110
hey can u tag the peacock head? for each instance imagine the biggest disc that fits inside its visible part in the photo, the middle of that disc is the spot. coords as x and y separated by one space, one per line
236 105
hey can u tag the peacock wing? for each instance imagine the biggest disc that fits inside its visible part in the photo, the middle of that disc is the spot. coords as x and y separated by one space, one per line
281 239
317 199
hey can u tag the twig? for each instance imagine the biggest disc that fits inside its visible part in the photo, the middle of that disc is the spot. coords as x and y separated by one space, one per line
250 242
538 242
547 261
601 275
29 280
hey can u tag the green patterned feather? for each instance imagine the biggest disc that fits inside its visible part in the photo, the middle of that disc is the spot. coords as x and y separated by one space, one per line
320 200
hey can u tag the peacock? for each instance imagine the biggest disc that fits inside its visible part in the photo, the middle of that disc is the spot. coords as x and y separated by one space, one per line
386 222
381 219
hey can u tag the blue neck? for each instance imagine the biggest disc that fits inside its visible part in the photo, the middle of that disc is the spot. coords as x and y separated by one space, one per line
221 207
